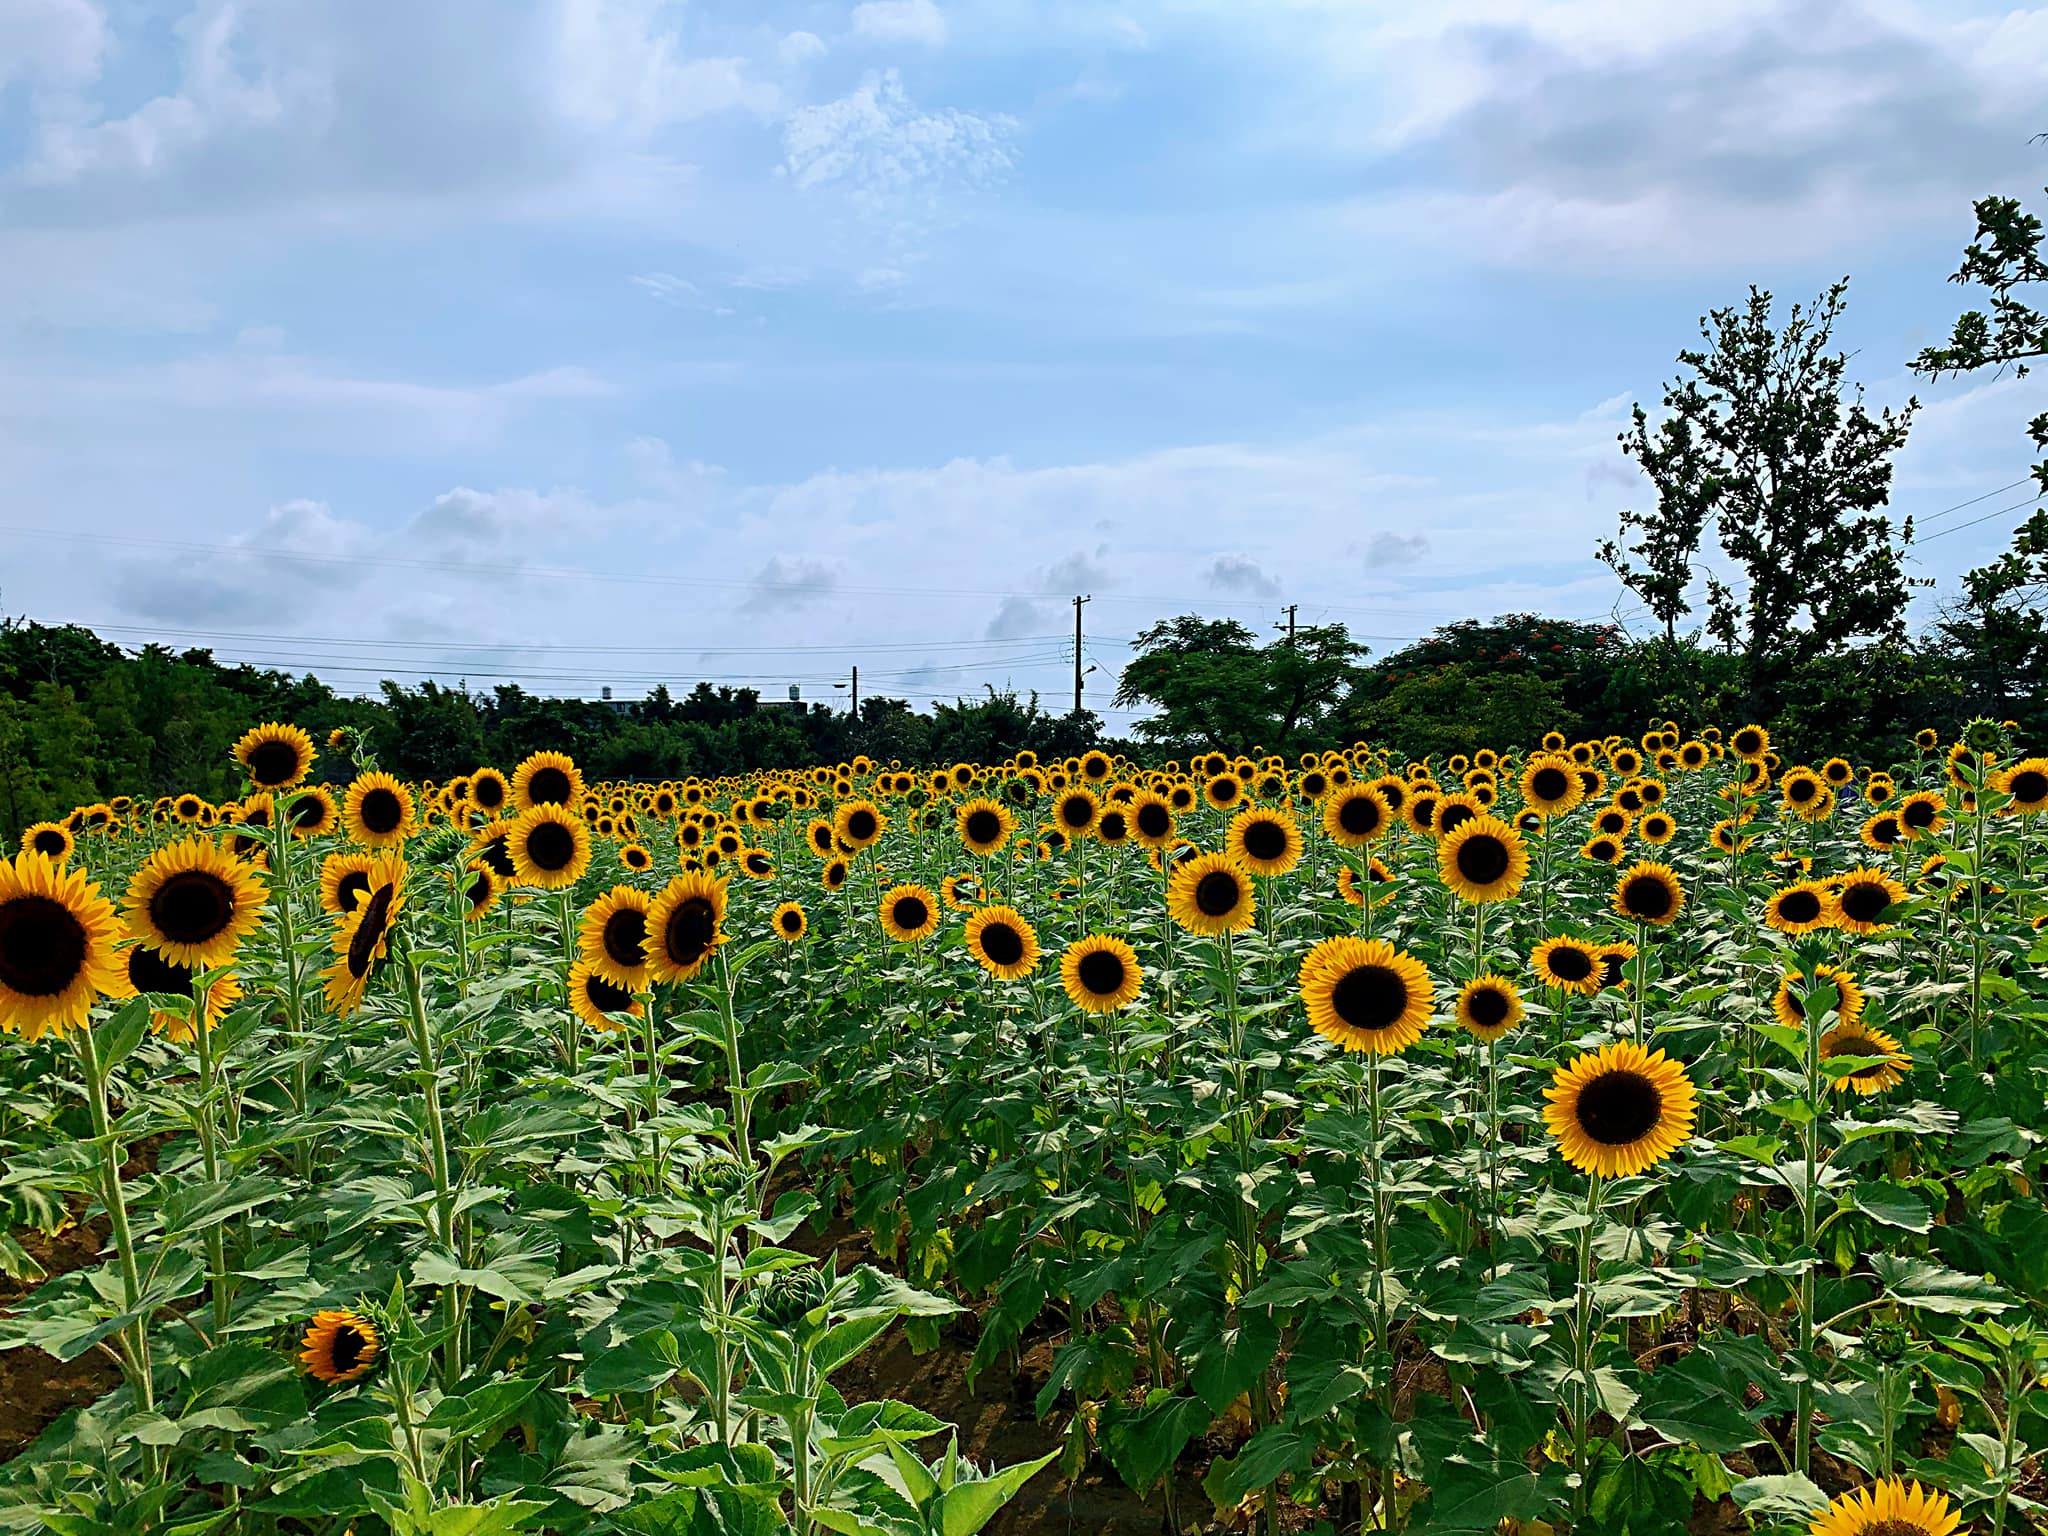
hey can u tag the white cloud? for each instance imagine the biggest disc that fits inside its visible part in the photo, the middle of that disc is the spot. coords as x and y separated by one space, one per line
1385 549
787 582
60 42
900 21
1240 573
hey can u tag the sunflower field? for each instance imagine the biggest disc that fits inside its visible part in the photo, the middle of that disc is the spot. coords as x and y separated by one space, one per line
1617 1136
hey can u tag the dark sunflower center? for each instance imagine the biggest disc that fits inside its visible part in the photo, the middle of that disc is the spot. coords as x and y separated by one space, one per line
625 937
605 997
1549 784
308 811
1854 1045
2029 785
149 971
1647 896
1918 814
1223 791
273 763
792 922
551 846
479 890
350 889
1892 1528
1359 816
349 1345
42 946
488 793
1453 816
1313 785
1265 840
1799 906
1154 819
1885 830
1801 790
760 863
1483 859
1217 893
1570 963
1610 968
1101 972
821 839
1617 1108
382 811
49 841
1076 812
499 857
835 875
370 929
192 906
549 786
690 930
1003 944
1488 1006
1865 901
1370 997
910 913
256 816
1114 827
984 826
861 824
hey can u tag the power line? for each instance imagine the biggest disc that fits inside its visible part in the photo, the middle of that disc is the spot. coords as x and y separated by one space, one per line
1973 522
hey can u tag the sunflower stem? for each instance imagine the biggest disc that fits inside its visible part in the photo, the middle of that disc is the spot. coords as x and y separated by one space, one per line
136 1357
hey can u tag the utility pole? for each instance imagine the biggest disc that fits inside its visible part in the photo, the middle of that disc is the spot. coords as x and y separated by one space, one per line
1290 624
1077 650
856 695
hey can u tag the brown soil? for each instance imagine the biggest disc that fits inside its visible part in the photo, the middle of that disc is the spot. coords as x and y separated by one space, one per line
35 1389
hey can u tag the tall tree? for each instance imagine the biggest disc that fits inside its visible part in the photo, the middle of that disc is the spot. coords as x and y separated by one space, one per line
1213 685
1668 535
1793 473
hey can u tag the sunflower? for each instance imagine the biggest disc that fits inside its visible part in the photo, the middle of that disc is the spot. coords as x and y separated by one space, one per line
985 825
1567 963
1864 899
550 847
57 938
1211 894
1100 973
1264 840
344 882
1788 1004
1002 943
360 941
340 1346
834 875
1550 785
1483 859
379 811
1649 893
1882 833
146 970
684 925
757 863
636 858
1614 821
909 913
195 901
1853 1038
1800 907
593 997
1751 743
1350 888
1076 811
1923 814
1096 766
52 839
1889 1508
480 890
1357 814
1365 995
1614 957
1620 1110
2026 782
789 922
612 937
1656 827
1488 1007
547 778
275 756
489 792
858 824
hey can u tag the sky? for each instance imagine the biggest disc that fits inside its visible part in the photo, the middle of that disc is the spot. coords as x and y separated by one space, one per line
593 343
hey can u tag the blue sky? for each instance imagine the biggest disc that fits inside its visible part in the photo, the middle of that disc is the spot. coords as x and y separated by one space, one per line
611 340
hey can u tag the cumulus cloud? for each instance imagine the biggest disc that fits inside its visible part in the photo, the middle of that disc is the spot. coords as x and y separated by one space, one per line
299 552
1081 570
900 21
1016 617
1240 573
60 42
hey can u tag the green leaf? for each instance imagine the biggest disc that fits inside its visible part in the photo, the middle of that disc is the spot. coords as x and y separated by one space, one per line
1141 1446
474 1413
1687 1405
969 1506
1930 1287
1894 1206
1791 1494
1229 1360
1266 1457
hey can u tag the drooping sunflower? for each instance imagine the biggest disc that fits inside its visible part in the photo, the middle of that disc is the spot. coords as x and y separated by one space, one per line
1858 1039
1550 785
1100 973
1488 1007
1365 995
612 937
275 756
1567 963
379 811
146 970
1002 942
550 847
1620 1110
985 825
1790 1008
684 925
57 937
1265 840
1649 892
194 901
909 913
593 996
1891 1507
1483 860
789 922
1800 907
360 941
340 1346
1864 899
547 778
859 824
52 839
1357 814
1211 894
